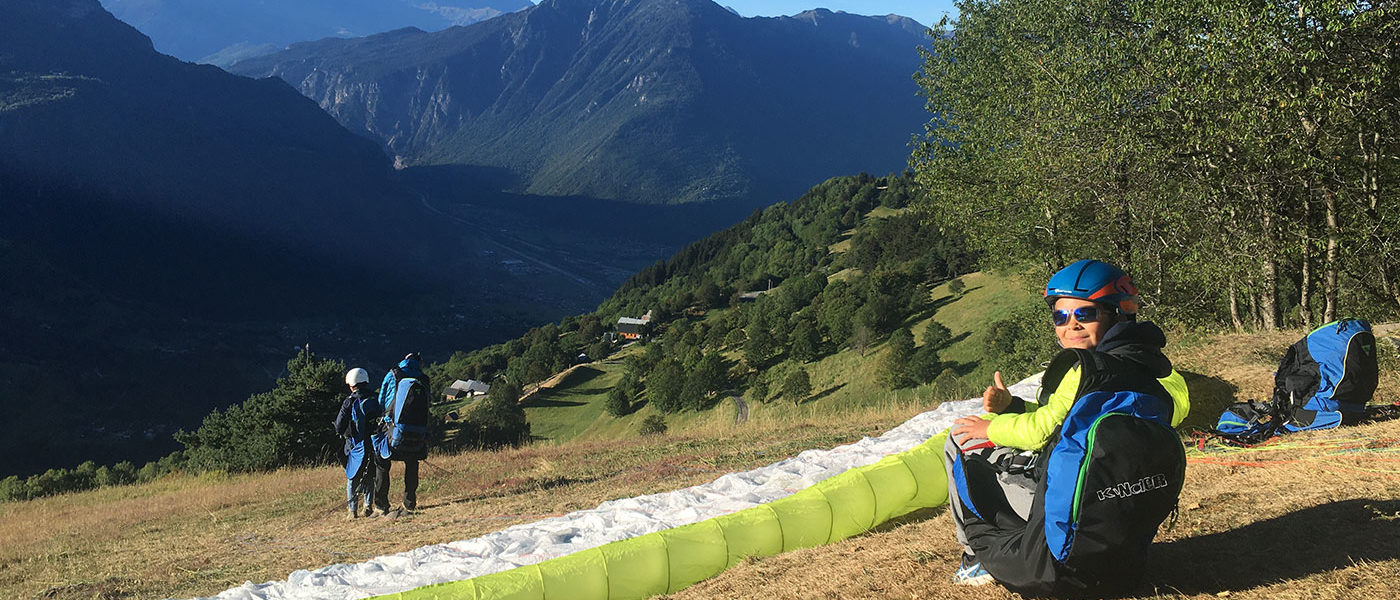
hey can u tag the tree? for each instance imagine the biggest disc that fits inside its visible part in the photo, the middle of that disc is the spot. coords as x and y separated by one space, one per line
710 295
590 328
617 404
945 385
862 338
896 369
925 365
734 338
759 348
653 425
879 314
665 385
936 335
497 420
806 341
797 385
1238 158
758 387
286 426
706 381
599 350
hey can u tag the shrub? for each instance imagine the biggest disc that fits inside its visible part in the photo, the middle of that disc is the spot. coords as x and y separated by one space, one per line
617 403
653 425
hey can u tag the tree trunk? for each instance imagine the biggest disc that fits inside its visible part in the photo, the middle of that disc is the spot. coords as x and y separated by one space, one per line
1305 286
1329 274
1390 283
1268 293
1123 243
1235 306
1255 316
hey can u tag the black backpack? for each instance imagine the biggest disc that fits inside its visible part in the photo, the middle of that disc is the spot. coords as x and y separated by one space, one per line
1107 480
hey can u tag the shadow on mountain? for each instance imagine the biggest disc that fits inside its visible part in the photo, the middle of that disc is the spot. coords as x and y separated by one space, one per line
483 194
824 393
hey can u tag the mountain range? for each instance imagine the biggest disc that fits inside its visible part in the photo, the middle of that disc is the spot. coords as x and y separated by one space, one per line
644 101
219 32
173 232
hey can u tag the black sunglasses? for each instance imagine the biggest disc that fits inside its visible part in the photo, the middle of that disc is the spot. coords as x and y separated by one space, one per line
1083 314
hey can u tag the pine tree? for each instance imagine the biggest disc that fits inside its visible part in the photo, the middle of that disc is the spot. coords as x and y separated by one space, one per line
286 426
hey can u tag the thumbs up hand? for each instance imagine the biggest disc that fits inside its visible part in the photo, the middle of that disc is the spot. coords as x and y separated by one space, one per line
996 399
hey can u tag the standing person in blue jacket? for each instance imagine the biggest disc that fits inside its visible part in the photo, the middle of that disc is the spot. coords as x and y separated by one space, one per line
356 419
1093 306
410 367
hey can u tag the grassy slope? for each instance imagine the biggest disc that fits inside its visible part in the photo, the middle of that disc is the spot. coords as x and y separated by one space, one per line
187 536
572 408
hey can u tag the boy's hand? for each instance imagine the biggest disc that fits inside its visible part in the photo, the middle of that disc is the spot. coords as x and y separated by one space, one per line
969 428
996 399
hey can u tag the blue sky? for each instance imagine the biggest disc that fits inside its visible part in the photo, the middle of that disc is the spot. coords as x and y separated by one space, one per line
926 12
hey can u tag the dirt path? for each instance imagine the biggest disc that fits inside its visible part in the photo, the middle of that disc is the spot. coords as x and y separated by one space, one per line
741 409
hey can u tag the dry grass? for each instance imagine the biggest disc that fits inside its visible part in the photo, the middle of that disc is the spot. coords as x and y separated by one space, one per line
1314 516
188 536
1311 525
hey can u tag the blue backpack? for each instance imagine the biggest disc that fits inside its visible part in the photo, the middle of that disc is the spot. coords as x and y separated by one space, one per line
405 434
1324 380
1108 479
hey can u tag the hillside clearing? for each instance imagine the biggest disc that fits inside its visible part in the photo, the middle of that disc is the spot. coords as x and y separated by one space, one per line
1314 516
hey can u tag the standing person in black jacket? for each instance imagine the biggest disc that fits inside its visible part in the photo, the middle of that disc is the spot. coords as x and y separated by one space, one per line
358 415
410 367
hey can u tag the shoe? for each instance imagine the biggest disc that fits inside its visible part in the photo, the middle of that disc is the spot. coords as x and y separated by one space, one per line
971 572
354 512
377 512
369 510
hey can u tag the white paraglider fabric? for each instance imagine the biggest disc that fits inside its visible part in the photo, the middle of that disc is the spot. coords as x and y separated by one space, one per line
611 521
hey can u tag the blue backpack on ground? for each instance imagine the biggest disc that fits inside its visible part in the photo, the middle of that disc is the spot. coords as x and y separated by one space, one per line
1109 477
1324 380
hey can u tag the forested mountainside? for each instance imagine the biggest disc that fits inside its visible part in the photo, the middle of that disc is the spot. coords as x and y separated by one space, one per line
647 101
220 32
160 214
847 264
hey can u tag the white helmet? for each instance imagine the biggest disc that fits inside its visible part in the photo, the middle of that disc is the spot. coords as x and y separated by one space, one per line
356 376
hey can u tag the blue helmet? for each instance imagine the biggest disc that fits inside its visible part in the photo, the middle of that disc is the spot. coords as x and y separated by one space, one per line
1097 282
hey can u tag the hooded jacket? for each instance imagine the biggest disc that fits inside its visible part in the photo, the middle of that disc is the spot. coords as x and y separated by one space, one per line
1132 350
354 423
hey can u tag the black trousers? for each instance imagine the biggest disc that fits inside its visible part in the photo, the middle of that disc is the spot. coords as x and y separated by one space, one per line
381 483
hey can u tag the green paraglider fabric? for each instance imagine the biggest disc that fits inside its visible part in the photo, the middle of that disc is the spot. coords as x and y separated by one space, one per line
666 561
